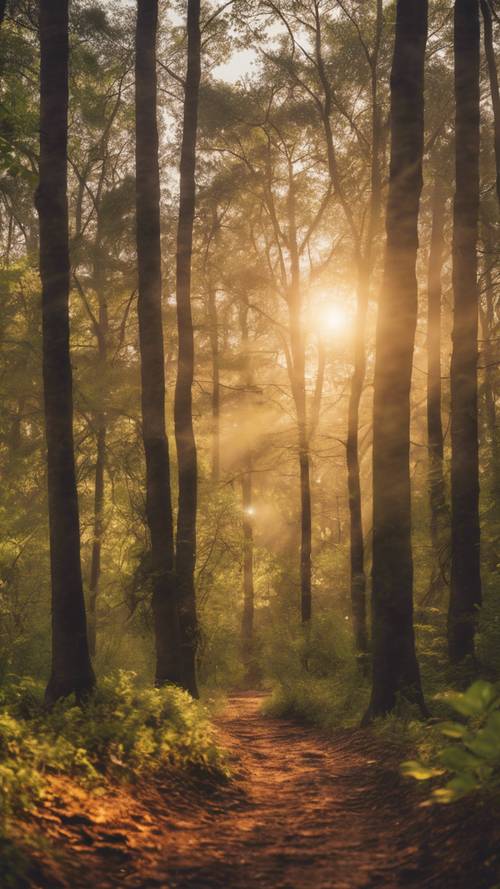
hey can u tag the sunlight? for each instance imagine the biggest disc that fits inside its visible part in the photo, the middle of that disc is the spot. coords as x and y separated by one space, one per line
334 319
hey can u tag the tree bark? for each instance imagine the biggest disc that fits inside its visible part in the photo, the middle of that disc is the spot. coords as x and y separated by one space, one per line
95 563
71 667
214 347
102 329
489 51
158 497
395 666
465 597
437 491
299 393
183 411
487 317
247 621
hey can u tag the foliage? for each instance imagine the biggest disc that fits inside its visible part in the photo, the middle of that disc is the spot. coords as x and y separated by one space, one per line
316 677
472 762
123 731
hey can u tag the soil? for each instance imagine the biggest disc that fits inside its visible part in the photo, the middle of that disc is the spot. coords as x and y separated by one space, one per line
303 810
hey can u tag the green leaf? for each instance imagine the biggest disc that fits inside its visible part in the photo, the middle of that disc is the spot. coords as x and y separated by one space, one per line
476 700
418 770
456 759
453 729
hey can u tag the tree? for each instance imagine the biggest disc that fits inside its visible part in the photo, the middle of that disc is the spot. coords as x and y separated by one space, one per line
437 493
489 51
465 597
158 499
395 666
183 410
71 667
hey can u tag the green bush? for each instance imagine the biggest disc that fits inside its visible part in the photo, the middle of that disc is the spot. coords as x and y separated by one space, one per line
472 761
123 731
316 676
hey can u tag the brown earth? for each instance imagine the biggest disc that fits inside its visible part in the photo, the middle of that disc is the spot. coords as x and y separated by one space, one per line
303 811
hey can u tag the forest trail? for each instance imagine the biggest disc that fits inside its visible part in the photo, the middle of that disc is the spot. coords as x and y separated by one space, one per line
305 810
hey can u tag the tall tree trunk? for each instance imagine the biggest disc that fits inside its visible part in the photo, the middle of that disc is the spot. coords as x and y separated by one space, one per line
395 666
247 622
71 666
183 411
356 540
298 382
102 329
247 632
489 51
437 493
158 498
490 371
465 597
214 347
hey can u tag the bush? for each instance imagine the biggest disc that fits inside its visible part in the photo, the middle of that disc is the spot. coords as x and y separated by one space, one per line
472 762
317 677
123 731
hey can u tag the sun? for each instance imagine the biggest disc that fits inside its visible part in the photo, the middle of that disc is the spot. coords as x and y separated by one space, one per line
333 319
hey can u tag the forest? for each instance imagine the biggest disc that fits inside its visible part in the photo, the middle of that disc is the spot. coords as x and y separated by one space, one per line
250 457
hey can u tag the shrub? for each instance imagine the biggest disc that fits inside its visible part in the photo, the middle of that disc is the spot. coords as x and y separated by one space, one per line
123 731
472 761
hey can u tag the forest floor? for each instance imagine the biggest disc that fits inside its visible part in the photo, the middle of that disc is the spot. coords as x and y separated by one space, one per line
303 810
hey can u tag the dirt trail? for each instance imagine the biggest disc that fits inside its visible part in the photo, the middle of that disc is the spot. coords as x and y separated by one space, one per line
304 811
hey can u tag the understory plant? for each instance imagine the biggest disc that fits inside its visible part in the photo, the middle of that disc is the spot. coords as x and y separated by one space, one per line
471 761
123 731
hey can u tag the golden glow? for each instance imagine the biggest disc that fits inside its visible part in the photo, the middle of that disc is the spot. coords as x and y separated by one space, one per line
335 319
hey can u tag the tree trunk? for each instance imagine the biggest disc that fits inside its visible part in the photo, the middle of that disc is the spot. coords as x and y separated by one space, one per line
395 666
437 492
364 264
102 329
356 541
95 564
489 51
247 631
214 347
71 666
298 382
3 10
183 412
465 597
490 371
247 622
158 498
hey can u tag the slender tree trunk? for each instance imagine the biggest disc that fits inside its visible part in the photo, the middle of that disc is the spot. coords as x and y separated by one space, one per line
364 265
490 372
95 563
183 412
99 285
247 631
158 499
299 393
356 540
214 347
437 492
395 666
465 597
3 10
489 51
247 622
71 666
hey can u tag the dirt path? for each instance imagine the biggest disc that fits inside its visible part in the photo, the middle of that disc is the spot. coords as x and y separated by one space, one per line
305 811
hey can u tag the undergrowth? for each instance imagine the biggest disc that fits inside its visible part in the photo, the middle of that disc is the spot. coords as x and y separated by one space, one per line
123 732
